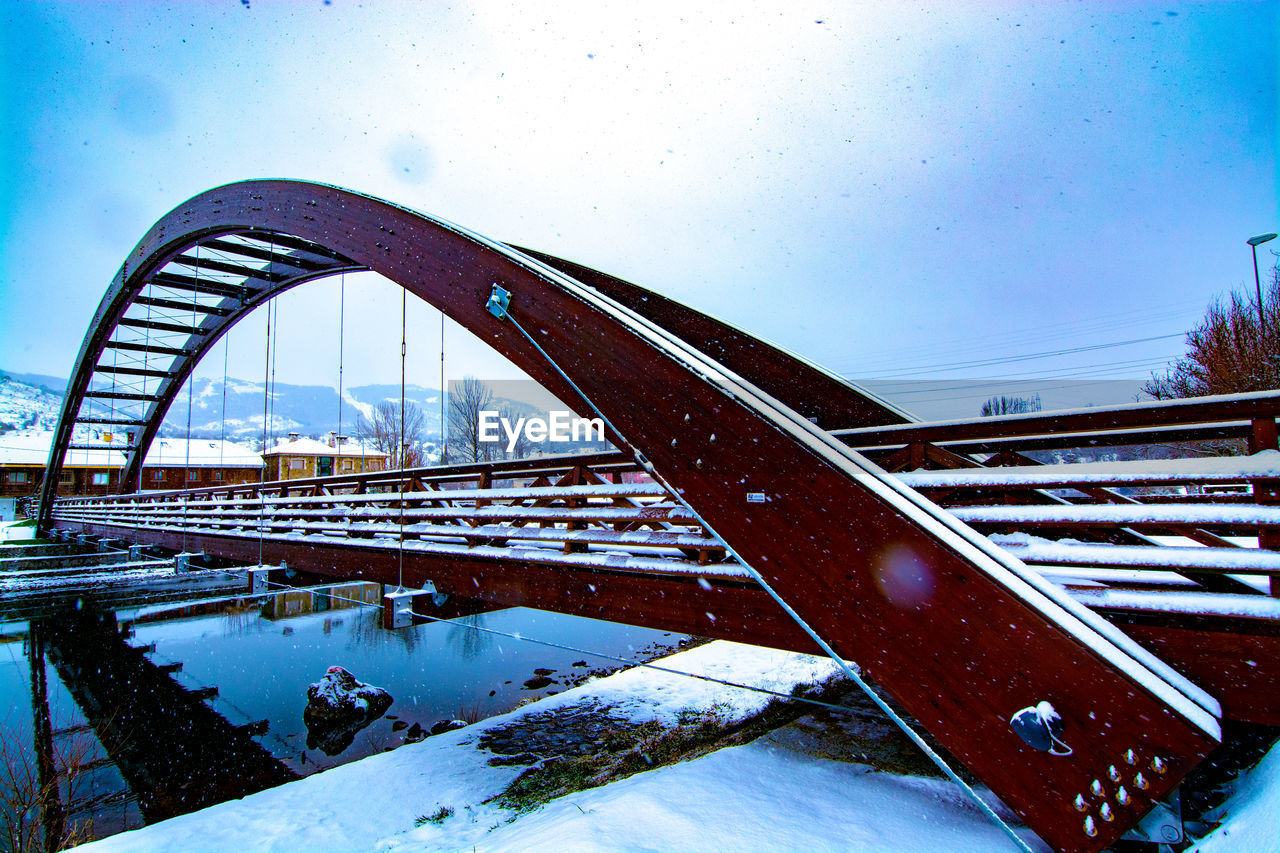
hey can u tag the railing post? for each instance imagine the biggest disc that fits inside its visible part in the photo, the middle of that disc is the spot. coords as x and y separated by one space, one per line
1262 437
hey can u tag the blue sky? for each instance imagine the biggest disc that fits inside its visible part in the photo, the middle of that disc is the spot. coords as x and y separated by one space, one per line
888 189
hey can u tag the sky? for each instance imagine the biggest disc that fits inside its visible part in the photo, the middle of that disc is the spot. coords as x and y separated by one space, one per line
896 191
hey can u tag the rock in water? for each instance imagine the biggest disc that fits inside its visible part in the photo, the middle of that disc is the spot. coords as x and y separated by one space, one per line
447 726
339 706
340 696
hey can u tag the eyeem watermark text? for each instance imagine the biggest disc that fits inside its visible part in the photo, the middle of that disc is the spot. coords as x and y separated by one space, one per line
557 427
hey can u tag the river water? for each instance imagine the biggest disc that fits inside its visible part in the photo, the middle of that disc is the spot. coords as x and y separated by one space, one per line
147 713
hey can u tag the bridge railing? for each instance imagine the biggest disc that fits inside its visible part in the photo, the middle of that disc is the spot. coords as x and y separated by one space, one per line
570 505
1199 478
1248 418
1184 522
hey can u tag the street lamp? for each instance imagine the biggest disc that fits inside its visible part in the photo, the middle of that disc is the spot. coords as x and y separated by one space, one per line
1255 242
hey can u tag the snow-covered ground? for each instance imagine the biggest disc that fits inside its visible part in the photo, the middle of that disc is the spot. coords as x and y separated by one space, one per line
763 796
1251 817
24 406
16 531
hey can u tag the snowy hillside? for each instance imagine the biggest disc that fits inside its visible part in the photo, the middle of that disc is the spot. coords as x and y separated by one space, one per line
28 401
27 406
308 409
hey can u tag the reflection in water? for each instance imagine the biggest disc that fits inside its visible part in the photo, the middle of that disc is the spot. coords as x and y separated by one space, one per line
168 708
44 797
367 633
466 640
52 815
242 617
177 754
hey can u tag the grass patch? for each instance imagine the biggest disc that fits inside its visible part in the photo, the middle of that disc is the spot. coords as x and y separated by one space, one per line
440 816
632 748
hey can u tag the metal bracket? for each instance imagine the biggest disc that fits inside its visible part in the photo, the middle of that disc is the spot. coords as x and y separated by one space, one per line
498 302
258 580
398 606
187 562
1162 825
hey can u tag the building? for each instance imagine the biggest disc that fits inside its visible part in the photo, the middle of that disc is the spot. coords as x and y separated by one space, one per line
298 458
171 463
177 463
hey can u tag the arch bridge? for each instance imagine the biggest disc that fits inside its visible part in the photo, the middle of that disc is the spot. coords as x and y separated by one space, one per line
1076 635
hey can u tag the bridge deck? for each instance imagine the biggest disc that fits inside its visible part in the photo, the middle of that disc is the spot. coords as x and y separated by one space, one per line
595 535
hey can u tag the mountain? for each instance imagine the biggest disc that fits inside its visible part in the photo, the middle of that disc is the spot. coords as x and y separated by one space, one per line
51 384
307 409
29 405
32 401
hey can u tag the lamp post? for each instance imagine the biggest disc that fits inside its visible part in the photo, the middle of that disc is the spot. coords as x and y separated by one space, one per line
1255 242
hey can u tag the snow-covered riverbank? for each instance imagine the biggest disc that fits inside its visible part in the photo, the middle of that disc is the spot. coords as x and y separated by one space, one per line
770 794
765 795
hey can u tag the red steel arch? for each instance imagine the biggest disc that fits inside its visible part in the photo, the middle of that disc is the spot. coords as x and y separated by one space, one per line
821 396
959 632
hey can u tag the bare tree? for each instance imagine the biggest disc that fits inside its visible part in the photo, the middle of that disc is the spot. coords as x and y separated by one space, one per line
469 397
36 804
383 432
1003 405
522 448
1230 352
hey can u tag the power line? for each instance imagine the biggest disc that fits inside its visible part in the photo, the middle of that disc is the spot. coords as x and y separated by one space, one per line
957 348
1051 374
947 367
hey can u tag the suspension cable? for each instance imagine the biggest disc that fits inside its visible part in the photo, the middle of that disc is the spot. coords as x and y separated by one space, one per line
146 353
444 428
262 476
115 362
404 297
222 435
849 670
342 325
275 340
191 382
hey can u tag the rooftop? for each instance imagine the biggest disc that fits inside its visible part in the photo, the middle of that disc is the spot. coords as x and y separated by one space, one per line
32 448
311 447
